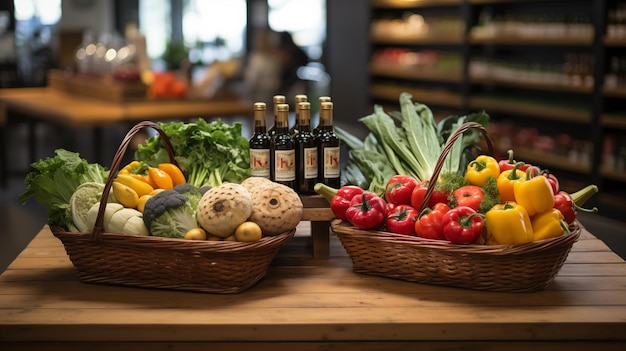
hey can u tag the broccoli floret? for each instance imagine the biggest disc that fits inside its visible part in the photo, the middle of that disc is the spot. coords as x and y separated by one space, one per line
171 213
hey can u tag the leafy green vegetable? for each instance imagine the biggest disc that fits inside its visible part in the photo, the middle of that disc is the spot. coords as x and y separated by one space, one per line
410 142
54 180
208 153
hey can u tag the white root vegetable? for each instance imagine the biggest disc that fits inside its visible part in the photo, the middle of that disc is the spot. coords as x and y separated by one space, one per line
276 208
118 219
223 208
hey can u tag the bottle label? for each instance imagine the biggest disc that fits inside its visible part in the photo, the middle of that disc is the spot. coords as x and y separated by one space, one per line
310 162
260 163
285 165
332 168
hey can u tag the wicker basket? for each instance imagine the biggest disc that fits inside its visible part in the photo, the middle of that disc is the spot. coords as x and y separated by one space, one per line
165 263
510 268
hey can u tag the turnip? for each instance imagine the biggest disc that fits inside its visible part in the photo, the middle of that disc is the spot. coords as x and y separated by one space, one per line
223 208
276 208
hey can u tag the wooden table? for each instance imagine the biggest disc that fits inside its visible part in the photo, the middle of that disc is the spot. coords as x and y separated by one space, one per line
305 303
48 105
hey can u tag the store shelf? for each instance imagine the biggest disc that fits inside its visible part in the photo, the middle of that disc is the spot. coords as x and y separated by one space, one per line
619 175
426 96
530 108
617 121
533 40
419 40
406 4
444 74
519 82
548 160
529 61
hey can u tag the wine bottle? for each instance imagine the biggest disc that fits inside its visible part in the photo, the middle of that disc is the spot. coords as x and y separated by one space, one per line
260 144
277 99
306 151
299 98
328 151
321 100
282 150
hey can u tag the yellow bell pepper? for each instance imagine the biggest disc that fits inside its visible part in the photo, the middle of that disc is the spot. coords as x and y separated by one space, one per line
548 224
482 167
534 194
508 224
129 168
507 180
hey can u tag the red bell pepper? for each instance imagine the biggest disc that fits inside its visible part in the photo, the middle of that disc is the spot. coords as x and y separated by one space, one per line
429 223
367 211
417 197
401 219
552 179
468 195
570 204
462 225
509 163
340 202
399 189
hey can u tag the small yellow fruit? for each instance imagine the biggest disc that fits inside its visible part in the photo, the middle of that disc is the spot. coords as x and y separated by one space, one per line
213 238
248 231
196 234
230 238
141 204
125 195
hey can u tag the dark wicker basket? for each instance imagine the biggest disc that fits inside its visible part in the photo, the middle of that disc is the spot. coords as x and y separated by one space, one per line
166 263
510 268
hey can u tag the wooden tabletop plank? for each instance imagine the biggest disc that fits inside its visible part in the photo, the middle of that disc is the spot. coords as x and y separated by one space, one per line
305 299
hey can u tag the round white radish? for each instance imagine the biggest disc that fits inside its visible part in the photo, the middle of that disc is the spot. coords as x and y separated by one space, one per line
223 208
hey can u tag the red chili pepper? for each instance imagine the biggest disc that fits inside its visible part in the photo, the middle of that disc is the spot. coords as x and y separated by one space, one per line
399 189
367 211
468 195
402 219
429 223
340 202
418 194
564 203
462 225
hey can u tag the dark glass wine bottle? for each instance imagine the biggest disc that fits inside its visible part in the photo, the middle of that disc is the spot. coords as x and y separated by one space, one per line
328 150
306 152
282 150
260 144
299 98
277 100
320 100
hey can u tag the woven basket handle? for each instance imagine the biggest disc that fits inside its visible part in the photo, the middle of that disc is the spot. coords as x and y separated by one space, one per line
98 228
446 150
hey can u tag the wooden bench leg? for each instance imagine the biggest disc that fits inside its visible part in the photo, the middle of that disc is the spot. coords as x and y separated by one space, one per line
320 232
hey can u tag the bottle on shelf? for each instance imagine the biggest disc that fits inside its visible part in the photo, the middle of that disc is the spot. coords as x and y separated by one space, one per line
299 98
260 144
282 150
306 151
321 100
328 151
277 100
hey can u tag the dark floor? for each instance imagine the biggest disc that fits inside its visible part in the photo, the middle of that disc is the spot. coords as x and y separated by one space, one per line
21 222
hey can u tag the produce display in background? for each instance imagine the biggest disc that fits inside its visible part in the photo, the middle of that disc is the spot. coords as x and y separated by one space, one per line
509 135
151 197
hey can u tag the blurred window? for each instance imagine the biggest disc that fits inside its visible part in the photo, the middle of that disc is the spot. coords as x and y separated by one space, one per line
304 19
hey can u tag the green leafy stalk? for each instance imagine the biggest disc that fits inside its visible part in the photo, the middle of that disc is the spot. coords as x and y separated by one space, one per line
421 131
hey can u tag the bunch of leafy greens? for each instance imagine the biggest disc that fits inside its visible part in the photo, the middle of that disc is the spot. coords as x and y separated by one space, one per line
54 180
406 142
208 153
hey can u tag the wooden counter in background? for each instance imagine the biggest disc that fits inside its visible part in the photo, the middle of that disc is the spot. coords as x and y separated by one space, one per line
304 303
